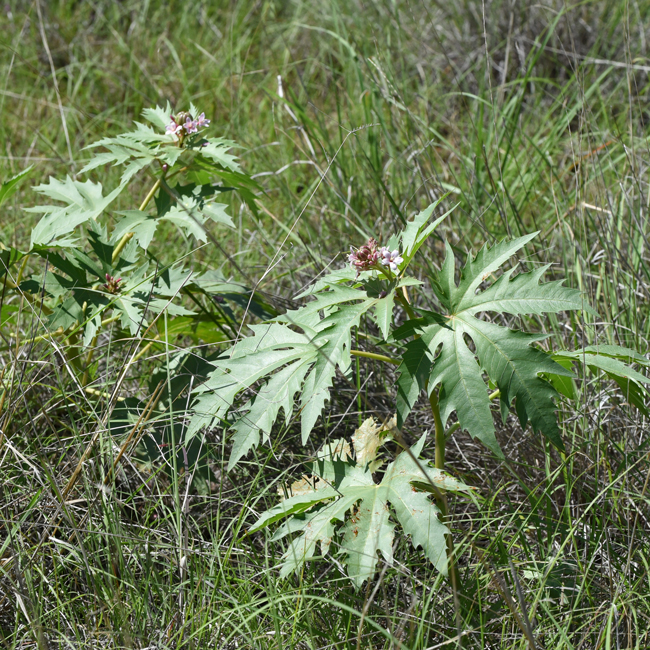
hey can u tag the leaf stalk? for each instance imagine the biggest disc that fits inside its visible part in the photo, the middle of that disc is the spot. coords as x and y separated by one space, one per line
126 238
376 357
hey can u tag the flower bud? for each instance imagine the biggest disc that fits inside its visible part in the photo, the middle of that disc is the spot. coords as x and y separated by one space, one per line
112 285
182 117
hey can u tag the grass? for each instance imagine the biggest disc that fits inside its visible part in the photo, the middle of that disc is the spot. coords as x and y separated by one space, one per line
533 117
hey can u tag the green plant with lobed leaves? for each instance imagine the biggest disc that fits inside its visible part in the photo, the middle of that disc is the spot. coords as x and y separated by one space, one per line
292 360
110 274
93 270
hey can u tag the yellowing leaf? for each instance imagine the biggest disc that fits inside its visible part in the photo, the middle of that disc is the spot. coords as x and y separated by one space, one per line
350 494
336 450
366 441
306 485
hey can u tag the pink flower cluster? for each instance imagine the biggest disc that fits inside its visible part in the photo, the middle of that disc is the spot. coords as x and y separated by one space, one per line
370 256
364 258
183 124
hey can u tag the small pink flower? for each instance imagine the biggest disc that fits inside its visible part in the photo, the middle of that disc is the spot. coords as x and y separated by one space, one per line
201 121
172 128
392 260
183 124
190 126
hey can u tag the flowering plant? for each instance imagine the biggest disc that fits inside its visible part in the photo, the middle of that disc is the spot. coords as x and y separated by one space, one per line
117 279
370 257
451 354
182 124
90 272
443 354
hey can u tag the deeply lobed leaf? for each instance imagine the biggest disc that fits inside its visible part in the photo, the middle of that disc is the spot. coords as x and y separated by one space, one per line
82 202
470 346
288 363
369 527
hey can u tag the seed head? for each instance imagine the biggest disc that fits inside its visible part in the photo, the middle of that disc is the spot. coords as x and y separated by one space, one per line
369 256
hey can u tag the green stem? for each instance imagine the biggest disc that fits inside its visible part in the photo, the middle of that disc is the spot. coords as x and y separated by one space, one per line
126 238
34 300
152 192
36 339
377 357
440 433
89 359
112 319
73 353
407 306
146 348
21 270
441 439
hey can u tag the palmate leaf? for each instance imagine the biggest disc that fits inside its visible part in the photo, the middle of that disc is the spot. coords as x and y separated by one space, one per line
158 116
139 148
285 365
384 314
123 149
463 388
262 411
332 342
245 186
341 484
273 346
413 377
334 278
286 362
514 365
190 216
82 202
470 346
217 150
